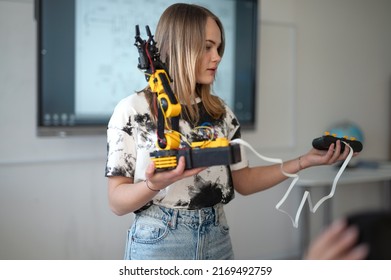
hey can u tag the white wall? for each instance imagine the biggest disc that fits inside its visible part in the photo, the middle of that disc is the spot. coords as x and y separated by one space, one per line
53 202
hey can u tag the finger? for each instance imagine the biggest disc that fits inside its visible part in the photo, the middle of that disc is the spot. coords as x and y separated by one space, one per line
330 152
359 252
321 247
345 153
344 244
181 165
336 229
337 151
330 234
193 171
150 170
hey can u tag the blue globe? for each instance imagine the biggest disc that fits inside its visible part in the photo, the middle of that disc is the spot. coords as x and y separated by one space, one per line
348 129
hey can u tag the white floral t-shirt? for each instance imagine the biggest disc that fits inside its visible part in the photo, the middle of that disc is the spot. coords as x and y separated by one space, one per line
131 137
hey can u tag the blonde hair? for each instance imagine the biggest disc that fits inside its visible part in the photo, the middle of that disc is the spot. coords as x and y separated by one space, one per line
180 37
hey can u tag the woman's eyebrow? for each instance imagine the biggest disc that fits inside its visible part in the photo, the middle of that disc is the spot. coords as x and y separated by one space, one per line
211 41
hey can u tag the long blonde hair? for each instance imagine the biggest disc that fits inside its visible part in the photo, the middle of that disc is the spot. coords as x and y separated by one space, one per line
180 37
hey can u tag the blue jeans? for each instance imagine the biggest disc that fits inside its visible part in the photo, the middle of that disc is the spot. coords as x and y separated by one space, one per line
160 233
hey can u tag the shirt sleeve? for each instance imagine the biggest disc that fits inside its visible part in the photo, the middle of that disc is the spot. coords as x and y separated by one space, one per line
235 133
121 143
243 162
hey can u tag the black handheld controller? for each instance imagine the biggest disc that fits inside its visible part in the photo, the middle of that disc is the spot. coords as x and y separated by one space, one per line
324 142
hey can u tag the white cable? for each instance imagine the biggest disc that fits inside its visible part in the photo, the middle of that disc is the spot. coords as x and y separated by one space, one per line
306 195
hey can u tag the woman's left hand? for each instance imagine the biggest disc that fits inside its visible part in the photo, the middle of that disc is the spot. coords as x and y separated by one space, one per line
318 157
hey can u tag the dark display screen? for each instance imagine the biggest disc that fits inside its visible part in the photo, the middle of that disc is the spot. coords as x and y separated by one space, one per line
87 61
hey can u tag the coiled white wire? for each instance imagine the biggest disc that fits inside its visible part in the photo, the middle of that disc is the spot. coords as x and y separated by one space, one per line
306 195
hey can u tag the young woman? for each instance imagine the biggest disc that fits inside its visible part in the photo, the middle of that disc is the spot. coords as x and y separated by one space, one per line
179 213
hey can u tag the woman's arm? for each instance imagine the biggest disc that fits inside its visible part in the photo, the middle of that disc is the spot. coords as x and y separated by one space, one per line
125 196
255 179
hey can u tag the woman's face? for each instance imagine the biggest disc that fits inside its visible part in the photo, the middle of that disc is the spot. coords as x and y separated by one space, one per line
210 59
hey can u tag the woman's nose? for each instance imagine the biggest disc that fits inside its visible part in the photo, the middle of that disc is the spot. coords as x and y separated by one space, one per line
216 56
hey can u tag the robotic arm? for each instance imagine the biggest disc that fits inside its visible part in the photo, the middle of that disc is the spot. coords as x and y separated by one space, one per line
200 154
159 80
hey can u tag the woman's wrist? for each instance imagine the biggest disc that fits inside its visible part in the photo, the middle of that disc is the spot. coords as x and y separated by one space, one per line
302 162
148 185
299 163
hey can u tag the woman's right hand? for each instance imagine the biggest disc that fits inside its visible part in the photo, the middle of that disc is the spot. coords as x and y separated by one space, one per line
160 180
